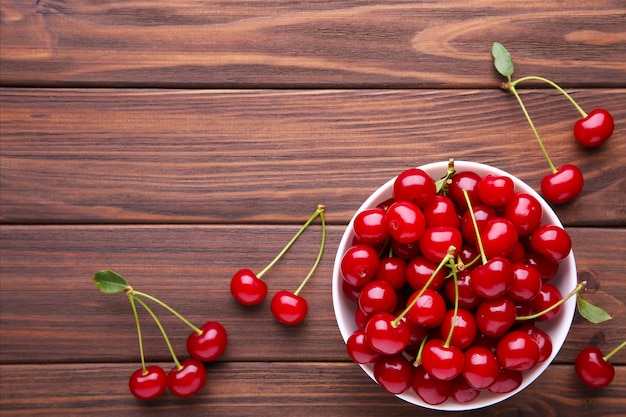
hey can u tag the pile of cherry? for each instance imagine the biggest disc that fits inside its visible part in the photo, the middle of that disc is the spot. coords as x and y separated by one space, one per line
450 277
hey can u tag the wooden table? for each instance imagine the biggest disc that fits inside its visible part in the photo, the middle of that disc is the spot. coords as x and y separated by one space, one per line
177 142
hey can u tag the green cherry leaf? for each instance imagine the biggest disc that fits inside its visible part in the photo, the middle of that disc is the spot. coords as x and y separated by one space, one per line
590 312
502 60
110 282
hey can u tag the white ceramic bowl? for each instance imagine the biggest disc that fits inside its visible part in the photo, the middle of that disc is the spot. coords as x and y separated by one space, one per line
557 328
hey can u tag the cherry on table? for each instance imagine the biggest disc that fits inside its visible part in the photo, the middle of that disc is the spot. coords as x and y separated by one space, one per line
188 379
247 288
289 308
147 384
594 129
562 185
594 369
209 344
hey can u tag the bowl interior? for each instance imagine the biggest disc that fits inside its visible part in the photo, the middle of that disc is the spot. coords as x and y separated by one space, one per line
565 280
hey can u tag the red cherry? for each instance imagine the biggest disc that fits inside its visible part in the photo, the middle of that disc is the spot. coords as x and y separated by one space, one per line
359 265
442 362
492 279
563 185
494 317
393 271
526 283
377 296
383 337
481 367
430 389
149 384
436 241
414 185
483 214
551 241
506 381
547 297
468 299
247 288
358 348
595 129
593 369
525 212
405 221
418 272
499 237
465 328
547 269
370 227
495 190
289 308
441 212
517 351
188 379
461 391
540 337
394 373
208 345
466 180
428 310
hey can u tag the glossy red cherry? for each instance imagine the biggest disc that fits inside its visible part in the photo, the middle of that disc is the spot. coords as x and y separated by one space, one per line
394 373
428 310
147 384
483 214
468 299
208 345
593 369
547 297
359 350
414 185
492 279
383 337
466 180
563 185
595 129
359 265
442 362
547 269
506 381
430 389
420 270
495 190
525 213
465 328
377 296
526 283
517 351
551 241
494 317
247 288
499 237
461 391
481 367
393 271
370 227
543 340
441 212
436 241
289 308
188 379
405 222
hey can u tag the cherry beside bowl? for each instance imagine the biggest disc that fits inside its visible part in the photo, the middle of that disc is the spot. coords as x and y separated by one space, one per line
557 328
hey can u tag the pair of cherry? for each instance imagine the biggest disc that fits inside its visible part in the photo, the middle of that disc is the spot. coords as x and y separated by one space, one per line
204 344
565 183
287 307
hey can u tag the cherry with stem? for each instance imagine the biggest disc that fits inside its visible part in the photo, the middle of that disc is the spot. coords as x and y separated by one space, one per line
290 308
249 288
593 369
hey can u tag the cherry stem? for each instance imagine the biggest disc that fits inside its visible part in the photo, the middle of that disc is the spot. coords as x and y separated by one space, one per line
456 303
614 351
575 291
512 89
442 183
445 260
158 323
141 354
418 358
553 84
320 212
168 308
483 257
288 245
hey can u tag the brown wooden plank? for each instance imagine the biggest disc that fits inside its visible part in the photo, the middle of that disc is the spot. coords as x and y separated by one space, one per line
244 43
77 156
48 297
275 388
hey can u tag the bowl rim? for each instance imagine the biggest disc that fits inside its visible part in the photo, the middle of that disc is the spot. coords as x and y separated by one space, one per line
566 277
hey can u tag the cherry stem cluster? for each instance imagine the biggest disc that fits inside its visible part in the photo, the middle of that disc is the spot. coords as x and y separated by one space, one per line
319 212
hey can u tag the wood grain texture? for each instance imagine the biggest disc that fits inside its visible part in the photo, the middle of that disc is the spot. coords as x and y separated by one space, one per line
47 294
231 156
277 388
304 44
